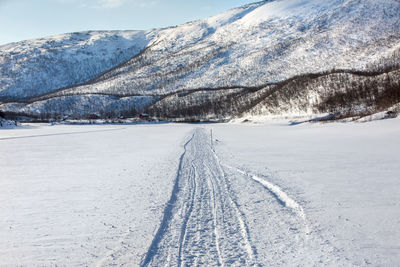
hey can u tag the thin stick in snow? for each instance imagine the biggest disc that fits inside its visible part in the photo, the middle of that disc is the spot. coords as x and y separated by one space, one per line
211 138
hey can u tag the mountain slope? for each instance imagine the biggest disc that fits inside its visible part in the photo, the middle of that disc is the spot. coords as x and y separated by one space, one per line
34 67
245 49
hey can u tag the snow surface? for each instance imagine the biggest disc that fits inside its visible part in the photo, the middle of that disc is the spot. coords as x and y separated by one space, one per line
285 9
83 195
274 194
346 177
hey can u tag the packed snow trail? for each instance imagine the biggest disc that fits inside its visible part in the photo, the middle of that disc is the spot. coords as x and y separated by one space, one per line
202 223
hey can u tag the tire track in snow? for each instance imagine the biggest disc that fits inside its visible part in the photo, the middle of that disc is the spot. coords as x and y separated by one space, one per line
202 224
182 241
251 251
168 213
278 193
216 233
286 238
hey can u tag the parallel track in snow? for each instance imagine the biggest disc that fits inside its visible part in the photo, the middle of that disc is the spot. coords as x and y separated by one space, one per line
202 224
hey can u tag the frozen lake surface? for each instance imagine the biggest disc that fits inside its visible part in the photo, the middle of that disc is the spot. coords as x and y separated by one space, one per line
164 194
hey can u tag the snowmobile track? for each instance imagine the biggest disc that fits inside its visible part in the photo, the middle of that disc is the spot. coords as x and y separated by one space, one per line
202 224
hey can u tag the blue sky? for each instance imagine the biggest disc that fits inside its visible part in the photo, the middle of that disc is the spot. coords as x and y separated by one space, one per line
28 19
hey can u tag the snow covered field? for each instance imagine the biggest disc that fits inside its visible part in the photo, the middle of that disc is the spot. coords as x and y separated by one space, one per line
81 195
346 177
149 195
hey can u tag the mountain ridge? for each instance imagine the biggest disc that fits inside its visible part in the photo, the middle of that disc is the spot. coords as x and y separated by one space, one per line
246 47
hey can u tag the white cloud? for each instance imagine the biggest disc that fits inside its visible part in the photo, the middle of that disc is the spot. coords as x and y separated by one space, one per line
100 3
146 3
66 1
110 3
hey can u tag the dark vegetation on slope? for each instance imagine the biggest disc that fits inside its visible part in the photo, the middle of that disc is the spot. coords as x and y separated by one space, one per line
340 92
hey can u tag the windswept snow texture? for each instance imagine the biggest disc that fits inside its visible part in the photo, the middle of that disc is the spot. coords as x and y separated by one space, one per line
151 195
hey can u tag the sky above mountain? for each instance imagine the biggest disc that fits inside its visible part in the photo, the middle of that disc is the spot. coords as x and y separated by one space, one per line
28 19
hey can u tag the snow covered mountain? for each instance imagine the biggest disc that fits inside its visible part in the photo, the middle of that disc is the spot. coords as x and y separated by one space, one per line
38 66
246 60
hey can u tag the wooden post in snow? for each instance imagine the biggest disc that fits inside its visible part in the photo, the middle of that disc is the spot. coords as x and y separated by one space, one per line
211 138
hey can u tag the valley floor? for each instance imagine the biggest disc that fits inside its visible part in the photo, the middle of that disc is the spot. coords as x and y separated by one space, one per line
166 194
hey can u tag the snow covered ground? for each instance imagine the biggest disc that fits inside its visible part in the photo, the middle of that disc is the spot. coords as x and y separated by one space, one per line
83 195
346 177
273 194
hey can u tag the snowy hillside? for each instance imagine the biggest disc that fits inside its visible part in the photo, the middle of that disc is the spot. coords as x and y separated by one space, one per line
244 50
35 67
